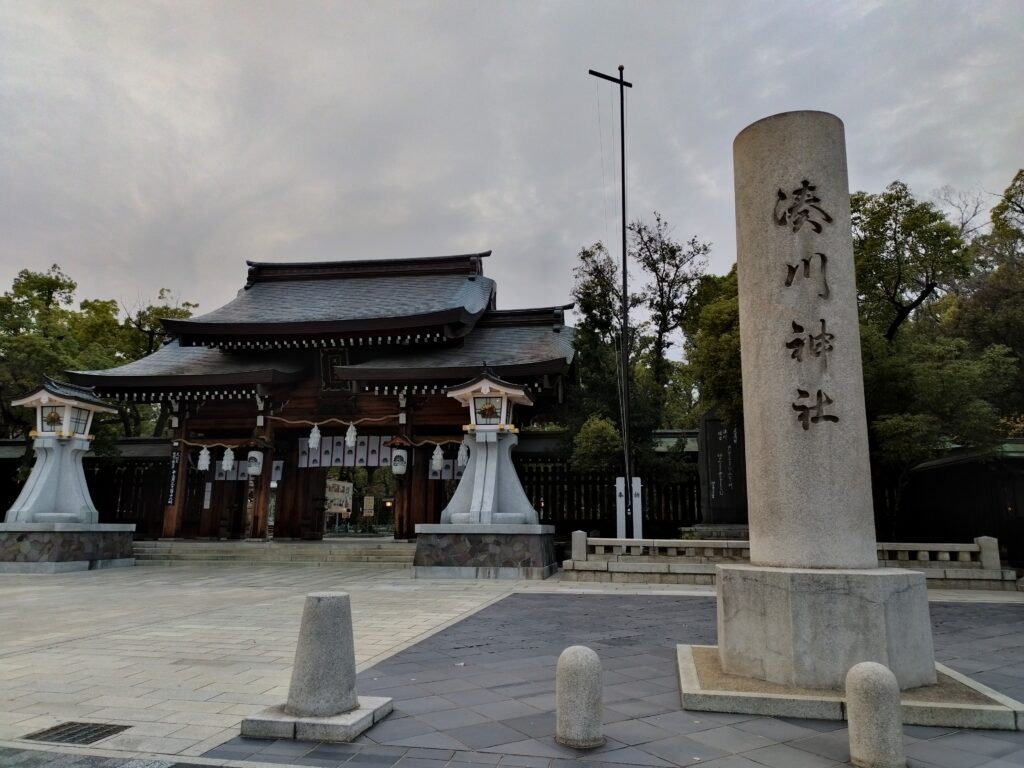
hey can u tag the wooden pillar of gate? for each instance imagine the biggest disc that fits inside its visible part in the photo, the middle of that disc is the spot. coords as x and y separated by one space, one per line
176 485
404 528
261 489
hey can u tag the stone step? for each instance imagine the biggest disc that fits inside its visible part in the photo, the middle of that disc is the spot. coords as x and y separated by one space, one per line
333 553
162 562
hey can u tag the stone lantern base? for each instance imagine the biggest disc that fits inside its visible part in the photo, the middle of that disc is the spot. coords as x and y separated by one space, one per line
62 547
491 551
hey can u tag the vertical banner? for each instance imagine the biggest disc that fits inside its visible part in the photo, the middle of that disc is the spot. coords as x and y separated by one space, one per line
361 446
337 451
303 452
277 470
385 451
172 476
326 446
373 450
350 455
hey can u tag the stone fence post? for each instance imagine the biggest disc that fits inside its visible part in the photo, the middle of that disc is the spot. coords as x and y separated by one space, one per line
989 552
579 546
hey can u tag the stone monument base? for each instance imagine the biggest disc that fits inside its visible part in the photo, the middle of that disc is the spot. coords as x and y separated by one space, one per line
275 723
954 701
806 627
476 551
63 547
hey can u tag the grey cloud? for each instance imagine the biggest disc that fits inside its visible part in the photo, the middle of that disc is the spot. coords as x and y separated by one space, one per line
149 145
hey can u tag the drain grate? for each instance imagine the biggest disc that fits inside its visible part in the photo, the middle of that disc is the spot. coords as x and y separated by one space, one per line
77 733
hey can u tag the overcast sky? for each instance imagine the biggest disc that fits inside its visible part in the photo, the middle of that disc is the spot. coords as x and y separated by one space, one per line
147 145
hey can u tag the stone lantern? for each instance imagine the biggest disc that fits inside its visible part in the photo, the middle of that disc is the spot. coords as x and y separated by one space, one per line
53 524
489 491
55 491
489 528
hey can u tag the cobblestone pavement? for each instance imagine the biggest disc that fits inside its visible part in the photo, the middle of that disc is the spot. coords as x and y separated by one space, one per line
183 653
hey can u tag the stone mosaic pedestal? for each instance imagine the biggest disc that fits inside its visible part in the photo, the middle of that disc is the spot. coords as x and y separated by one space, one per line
62 547
480 551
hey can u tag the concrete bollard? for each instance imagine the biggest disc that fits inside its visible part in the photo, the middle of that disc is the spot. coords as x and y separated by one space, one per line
578 710
324 676
874 715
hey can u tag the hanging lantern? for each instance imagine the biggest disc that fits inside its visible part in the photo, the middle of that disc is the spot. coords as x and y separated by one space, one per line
437 460
229 460
314 439
350 436
399 461
204 460
463 455
255 463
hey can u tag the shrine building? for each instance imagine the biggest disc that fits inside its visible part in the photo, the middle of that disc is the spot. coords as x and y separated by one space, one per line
361 350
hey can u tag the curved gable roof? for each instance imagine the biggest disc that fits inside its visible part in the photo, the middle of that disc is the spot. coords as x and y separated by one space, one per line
320 298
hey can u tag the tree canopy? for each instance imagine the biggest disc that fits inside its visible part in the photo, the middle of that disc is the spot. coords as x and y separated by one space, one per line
942 332
661 388
905 250
43 334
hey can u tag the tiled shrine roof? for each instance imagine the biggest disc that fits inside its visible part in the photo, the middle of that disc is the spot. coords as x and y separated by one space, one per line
386 320
176 366
445 294
529 348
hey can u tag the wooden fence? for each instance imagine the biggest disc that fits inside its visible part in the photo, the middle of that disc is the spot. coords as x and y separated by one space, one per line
585 501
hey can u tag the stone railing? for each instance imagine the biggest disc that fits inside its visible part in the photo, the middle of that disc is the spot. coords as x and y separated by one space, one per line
684 561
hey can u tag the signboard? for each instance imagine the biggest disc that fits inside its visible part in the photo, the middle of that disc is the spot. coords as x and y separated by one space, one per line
338 495
723 480
368 502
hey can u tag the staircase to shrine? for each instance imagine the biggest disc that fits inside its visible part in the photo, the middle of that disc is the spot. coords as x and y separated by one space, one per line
327 553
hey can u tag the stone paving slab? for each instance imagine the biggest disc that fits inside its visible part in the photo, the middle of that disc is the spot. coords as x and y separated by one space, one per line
496 675
183 654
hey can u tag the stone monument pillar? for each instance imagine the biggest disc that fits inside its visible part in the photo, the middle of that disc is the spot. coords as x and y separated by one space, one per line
813 602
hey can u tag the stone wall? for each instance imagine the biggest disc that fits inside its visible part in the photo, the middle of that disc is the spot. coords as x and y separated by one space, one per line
484 550
86 545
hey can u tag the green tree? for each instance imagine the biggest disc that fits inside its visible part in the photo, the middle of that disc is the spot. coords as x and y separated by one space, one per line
925 394
991 309
905 251
711 325
42 334
672 269
597 446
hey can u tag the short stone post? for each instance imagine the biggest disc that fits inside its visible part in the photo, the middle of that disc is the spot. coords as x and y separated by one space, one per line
578 709
322 701
579 546
324 676
989 554
874 715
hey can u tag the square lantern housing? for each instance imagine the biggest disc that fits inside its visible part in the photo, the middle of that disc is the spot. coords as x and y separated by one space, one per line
63 410
490 401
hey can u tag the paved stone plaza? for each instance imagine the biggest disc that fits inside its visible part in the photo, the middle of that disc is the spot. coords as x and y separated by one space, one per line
181 654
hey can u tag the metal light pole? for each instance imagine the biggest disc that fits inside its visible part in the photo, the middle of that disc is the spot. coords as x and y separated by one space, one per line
624 354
